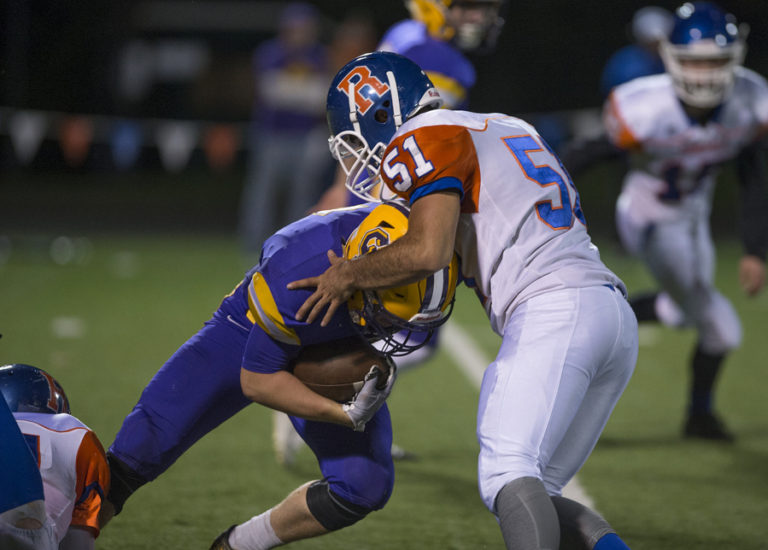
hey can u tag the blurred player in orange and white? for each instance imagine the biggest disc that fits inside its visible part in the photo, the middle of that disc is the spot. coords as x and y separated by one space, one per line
70 457
487 187
679 127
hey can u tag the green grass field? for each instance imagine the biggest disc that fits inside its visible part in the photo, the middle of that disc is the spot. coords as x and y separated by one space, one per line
104 323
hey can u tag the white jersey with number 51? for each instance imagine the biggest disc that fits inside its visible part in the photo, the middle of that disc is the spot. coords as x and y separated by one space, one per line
522 231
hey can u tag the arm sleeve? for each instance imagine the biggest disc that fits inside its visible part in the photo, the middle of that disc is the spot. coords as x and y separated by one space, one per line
92 483
265 354
752 171
580 155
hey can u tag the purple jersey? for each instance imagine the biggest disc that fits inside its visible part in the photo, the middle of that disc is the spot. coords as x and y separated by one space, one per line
255 327
262 302
291 87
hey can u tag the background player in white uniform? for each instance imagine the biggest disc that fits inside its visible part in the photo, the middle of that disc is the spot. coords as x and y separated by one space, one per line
70 457
491 187
680 126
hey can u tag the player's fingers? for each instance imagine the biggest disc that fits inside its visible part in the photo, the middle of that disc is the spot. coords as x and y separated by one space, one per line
332 307
307 308
302 283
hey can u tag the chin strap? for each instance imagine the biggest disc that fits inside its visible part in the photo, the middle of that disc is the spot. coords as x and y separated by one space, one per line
353 107
395 99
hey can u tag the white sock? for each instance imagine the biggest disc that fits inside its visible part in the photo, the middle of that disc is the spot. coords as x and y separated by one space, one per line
255 534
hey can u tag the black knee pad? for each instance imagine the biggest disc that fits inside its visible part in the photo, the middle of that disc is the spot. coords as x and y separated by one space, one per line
124 481
332 511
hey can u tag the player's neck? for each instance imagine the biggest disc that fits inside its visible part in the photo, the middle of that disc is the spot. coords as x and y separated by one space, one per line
700 115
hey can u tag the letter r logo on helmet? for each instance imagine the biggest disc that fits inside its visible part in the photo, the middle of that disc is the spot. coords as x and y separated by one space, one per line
365 78
368 100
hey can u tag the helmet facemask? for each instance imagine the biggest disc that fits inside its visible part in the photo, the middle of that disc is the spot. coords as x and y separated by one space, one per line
703 72
395 335
478 31
359 162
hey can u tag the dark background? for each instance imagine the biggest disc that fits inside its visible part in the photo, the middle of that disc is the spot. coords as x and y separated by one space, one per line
65 57
62 55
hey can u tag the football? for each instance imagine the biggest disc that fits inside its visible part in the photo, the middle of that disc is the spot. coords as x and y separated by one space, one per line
336 370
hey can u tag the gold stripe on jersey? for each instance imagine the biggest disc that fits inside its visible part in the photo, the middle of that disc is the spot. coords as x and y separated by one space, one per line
263 310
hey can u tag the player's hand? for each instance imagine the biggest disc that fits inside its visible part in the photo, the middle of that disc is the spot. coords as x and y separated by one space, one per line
751 274
332 289
370 398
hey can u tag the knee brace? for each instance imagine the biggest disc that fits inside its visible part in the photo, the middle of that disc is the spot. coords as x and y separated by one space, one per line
332 511
124 482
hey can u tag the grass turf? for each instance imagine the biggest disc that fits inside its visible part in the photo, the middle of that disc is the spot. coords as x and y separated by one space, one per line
106 321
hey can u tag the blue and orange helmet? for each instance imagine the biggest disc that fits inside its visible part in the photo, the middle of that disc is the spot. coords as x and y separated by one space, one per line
29 389
369 99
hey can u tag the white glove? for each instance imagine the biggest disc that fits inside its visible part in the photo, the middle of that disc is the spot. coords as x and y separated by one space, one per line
370 398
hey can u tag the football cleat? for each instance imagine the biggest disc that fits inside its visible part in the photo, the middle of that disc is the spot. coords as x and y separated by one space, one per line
707 426
222 541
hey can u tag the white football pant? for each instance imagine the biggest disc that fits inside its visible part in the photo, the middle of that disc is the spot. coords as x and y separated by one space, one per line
565 358
680 255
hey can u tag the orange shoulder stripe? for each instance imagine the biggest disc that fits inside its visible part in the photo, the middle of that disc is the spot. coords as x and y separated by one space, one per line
442 154
92 482
616 127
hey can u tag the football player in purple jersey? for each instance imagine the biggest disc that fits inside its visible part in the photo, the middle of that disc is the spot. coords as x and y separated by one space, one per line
243 355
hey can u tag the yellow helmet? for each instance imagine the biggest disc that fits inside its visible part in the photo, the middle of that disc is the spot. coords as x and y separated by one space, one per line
433 14
469 32
417 307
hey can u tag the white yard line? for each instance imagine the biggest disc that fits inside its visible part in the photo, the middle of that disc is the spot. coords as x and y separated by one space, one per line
472 362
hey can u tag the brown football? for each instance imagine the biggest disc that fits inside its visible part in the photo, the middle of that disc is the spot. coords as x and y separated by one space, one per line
337 369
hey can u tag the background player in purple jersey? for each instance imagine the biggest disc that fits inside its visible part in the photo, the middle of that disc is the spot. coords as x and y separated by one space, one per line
291 73
679 127
242 354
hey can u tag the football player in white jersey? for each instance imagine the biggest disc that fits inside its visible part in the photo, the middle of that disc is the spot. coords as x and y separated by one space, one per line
678 128
70 458
490 187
